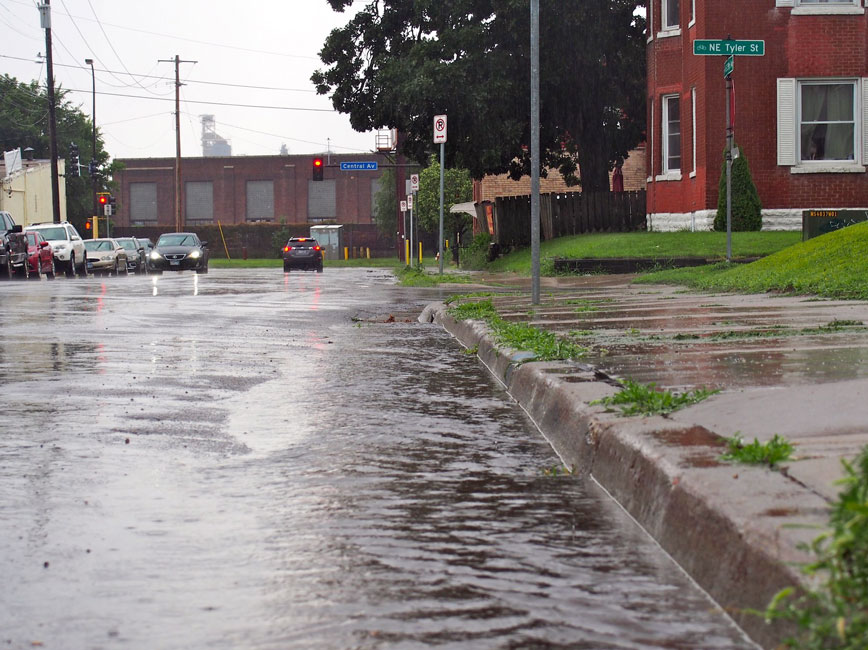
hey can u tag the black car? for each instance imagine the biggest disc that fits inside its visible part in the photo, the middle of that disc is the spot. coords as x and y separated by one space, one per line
302 253
179 251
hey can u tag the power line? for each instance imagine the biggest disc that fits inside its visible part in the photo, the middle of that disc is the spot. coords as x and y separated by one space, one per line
164 78
194 101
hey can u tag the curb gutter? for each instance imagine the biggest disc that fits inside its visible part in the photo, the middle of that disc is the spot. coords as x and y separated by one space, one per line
734 529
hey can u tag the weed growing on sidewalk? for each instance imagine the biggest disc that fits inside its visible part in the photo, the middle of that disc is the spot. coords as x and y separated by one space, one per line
544 345
636 399
835 614
770 453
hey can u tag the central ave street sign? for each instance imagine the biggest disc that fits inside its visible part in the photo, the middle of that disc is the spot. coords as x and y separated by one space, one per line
363 166
725 47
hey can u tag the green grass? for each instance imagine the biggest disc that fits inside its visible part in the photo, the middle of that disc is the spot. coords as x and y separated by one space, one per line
636 399
834 265
545 346
648 245
832 611
770 453
420 277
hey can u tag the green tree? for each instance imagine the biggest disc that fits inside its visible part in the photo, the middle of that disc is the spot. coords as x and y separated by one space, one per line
457 188
24 123
386 204
397 63
746 206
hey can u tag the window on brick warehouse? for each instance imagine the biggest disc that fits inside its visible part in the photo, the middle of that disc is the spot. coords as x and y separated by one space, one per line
669 11
827 121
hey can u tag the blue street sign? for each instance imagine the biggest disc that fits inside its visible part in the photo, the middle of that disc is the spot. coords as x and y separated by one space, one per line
359 166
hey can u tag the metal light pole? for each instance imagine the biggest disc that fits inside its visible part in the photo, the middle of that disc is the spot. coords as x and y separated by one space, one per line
92 166
534 151
45 22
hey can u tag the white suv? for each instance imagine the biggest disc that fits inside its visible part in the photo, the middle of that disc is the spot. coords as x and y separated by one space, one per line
68 247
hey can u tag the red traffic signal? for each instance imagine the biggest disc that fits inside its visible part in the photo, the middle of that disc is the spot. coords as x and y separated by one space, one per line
317 169
103 199
87 225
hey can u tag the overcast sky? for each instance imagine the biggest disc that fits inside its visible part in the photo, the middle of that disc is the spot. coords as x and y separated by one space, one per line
254 53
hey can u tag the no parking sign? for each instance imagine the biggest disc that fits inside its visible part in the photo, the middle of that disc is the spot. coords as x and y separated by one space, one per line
439 129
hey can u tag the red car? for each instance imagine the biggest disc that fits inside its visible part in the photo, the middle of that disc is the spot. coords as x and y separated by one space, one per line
40 257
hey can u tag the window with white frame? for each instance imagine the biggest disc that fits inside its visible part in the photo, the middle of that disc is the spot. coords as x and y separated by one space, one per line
671 119
693 126
808 7
823 124
827 121
669 13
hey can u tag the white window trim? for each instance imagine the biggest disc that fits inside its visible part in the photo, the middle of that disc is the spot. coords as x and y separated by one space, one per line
693 127
692 13
788 121
669 33
650 20
668 174
667 30
828 10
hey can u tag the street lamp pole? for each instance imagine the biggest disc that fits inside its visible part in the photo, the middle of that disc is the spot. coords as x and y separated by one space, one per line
92 166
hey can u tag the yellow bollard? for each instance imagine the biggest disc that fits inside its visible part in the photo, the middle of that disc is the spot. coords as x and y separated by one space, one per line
346 253
407 255
447 244
420 252
368 251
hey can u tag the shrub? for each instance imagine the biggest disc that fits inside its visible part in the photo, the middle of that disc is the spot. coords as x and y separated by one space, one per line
746 206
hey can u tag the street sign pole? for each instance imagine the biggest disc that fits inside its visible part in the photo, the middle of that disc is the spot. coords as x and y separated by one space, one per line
534 152
729 141
440 137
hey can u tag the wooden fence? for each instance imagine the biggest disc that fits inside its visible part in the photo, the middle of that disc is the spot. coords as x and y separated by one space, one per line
570 213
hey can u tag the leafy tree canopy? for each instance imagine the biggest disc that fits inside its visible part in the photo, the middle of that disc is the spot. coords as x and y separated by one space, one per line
24 123
457 188
397 63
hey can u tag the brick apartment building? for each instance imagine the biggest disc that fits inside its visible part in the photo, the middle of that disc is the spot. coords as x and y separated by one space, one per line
801 110
246 189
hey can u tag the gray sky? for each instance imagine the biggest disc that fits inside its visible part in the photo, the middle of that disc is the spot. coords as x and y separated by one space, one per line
269 45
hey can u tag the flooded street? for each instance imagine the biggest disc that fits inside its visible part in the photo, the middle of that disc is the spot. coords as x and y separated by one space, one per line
253 459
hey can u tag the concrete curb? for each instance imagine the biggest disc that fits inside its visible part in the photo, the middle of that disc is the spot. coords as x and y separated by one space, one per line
734 529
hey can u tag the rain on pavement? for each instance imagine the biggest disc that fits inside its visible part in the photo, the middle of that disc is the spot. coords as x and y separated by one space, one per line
253 459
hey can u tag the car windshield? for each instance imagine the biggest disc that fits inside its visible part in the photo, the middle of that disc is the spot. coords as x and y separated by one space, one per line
129 244
31 238
54 233
177 240
98 245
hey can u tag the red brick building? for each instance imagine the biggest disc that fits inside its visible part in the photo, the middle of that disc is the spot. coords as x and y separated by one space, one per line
801 110
246 189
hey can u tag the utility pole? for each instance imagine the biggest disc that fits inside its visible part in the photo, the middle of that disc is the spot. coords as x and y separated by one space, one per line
534 152
177 61
45 23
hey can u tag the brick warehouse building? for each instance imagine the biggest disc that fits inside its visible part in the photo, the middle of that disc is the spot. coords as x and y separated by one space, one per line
801 110
246 189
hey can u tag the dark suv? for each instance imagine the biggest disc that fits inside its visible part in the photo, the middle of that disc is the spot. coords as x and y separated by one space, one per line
13 246
302 253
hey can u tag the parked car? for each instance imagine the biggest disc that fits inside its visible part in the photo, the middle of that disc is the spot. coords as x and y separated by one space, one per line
148 245
67 245
40 257
106 255
302 253
178 251
136 257
13 247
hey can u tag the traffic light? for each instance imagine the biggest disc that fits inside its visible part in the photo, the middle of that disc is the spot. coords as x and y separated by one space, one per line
92 167
317 169
87 225
103 198
73 160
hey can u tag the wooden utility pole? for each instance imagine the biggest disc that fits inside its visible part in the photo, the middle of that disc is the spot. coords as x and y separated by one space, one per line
177 61
45 22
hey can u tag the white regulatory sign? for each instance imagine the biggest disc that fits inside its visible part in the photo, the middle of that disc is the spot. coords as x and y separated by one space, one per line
439 129
403 206
414 182
410 201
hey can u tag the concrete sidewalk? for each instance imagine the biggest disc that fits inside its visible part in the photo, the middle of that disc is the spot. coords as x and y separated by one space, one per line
794 366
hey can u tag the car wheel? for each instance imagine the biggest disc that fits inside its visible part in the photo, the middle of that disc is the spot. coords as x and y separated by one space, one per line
39 272
25 270
204 269
70 272
319 269
126 268
53 272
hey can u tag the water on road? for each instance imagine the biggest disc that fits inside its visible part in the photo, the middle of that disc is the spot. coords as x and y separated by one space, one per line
252 459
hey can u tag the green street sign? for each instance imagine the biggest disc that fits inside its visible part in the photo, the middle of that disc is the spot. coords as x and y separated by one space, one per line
707 47
728 66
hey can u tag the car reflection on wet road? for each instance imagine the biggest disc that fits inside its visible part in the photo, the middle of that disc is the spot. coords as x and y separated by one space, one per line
255 459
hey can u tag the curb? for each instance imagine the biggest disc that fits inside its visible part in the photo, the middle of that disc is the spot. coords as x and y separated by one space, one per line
734 529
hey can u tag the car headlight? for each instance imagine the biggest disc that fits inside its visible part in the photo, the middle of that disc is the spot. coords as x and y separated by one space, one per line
195 254
155 255
59 247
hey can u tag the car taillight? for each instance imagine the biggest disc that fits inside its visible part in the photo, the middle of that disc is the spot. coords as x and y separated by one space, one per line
286 249
316 248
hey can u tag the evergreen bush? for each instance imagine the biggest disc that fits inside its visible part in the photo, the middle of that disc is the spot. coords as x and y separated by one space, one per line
746 206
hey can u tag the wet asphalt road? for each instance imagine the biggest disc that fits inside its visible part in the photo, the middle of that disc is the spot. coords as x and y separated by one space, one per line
250 459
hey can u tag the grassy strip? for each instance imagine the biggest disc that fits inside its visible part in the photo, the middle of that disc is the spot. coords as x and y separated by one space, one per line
775 451
834 265
636 399
545 346
419 277
833 612
646 245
